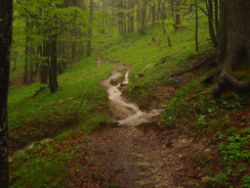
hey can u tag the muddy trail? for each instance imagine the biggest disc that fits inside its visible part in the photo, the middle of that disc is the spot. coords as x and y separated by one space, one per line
135 157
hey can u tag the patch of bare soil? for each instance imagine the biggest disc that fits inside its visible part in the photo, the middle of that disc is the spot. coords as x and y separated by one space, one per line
135 155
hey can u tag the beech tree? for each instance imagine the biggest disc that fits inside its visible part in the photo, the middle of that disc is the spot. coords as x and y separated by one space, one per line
234 42
5 42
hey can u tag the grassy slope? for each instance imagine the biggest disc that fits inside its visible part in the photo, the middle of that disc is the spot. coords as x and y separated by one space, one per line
80 94
80 83
81 100
144 55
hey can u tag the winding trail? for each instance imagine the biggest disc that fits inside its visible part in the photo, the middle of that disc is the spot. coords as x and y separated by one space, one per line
135 158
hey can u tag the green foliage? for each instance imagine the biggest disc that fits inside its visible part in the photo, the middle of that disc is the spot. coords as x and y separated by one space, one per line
41 166
218 179
245 182
175 105
233 150
235 158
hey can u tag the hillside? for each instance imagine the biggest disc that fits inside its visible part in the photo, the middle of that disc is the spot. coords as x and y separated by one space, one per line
137 113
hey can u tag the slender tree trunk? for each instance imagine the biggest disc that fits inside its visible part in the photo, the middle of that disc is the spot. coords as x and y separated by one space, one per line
153 13
171 7
216 16
143 19
53 84
177 23
210 11
159 10
196 27
45 63
26 76
91 14
138 19
5 43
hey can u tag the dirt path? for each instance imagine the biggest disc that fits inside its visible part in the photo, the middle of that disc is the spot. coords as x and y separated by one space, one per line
132 156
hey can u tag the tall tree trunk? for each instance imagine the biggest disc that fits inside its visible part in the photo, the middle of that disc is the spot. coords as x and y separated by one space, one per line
159 10
196 26
171 7
153 16
45 63
234 41
210 11
5 43
26 76
53 84
143 18
91 13
177 23
163 17
216 15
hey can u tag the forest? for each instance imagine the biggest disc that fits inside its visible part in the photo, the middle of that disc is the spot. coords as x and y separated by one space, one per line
124 94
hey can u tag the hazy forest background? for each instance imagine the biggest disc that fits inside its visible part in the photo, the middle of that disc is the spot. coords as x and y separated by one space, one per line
175 111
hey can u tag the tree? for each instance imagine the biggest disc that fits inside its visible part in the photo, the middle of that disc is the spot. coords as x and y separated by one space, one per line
210 10
5 42
234 42
53 84
196 26
91 14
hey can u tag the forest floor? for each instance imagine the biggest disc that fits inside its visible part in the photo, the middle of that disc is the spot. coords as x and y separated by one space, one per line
137 152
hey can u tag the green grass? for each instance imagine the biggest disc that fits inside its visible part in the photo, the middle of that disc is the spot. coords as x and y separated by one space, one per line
81 99
144 55
42 166
79 95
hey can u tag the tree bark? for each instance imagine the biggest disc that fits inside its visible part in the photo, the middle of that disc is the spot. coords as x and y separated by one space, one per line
27 73
153 16
143 18
234 41
5 43
91 13
210 11
45 63
53 84
196 27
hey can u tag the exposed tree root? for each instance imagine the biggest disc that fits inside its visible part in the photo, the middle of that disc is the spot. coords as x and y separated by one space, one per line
235 83
227 80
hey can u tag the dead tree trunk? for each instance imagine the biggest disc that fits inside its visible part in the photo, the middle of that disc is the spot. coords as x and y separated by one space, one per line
5 42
